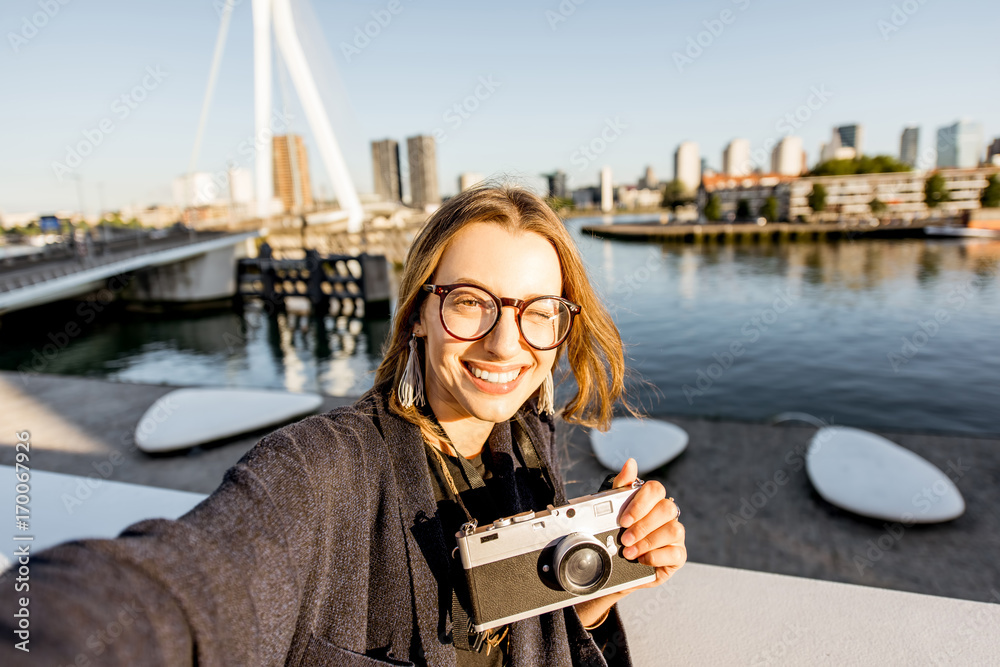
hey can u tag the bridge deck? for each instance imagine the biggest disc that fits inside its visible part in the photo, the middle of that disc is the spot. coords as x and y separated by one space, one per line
31 282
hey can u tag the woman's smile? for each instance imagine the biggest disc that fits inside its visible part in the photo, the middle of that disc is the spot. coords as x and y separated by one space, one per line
494 379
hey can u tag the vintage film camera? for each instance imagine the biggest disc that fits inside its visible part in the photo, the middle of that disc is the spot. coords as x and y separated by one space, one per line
535 562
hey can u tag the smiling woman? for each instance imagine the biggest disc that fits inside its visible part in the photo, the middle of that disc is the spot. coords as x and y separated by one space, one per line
351 537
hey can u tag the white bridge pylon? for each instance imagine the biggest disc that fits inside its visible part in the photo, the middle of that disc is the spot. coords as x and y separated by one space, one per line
278 14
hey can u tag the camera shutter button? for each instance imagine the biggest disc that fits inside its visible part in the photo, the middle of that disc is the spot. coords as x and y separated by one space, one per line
500 523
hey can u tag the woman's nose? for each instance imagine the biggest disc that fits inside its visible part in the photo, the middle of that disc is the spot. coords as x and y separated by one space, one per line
505 339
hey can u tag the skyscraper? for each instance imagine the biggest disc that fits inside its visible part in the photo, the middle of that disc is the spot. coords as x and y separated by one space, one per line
786 158
736 158
960 145
557 184
851 137
468 179
607 190
291 173
909 145
649 179
687 166
993 152
385 163
423 171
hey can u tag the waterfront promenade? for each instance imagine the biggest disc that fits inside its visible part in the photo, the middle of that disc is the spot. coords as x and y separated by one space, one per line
706 614
771 232
735 512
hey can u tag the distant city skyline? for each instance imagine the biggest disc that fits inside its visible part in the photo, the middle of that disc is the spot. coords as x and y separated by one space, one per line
108 95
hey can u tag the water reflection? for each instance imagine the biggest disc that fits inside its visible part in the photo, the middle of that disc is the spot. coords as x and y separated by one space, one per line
882 333
332 355
850 347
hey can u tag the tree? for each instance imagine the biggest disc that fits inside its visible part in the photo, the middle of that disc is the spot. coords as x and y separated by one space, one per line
817 198
674 195
769 209
742 209
713 208
876 164
935 191
991 193
877 207
559 203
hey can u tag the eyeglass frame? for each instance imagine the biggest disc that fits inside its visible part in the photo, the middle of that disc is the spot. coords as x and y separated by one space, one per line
518 304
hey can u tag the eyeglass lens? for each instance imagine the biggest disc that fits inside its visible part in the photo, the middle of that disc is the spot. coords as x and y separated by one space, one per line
470 312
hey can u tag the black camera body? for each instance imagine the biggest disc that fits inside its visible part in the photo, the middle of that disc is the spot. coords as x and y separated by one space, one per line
535 562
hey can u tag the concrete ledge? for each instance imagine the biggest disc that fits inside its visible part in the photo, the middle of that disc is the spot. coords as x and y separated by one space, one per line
710 615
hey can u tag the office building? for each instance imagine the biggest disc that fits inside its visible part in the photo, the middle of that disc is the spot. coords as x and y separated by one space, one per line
851 136
385 164
469 179
786 157
648 180
909 144
959 145
993 152
687 166
557 184
902 192
607 190
423 171
291 173
736 158
754 189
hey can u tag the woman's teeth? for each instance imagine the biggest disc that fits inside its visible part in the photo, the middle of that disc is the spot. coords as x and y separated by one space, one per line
498 378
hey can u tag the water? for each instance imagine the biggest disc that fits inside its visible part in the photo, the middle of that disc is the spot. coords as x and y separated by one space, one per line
874 333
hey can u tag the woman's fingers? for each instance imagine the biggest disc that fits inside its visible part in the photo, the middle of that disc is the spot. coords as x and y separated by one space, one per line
668 534
629 473
665 558
645 500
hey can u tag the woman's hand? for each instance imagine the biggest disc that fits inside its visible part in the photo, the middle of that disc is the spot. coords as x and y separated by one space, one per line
653 536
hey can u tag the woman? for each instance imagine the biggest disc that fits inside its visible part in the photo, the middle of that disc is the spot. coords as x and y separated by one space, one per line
330 542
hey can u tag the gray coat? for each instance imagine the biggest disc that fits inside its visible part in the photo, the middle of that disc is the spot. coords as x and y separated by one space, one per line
320 547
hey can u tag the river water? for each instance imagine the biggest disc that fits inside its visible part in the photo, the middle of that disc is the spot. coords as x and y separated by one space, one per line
898 334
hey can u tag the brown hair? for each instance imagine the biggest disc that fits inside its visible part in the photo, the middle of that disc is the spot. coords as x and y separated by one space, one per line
594 346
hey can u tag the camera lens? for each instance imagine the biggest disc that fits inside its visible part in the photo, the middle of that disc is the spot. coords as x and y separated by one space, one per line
584 568
582 564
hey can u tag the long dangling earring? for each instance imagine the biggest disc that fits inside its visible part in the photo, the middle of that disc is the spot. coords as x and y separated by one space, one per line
546 396
411 385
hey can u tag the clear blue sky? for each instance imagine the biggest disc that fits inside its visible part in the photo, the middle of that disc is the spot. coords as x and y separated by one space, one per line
558 87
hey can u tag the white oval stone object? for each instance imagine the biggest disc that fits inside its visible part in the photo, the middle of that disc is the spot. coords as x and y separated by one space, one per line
652 443
869 475
77 507
193 416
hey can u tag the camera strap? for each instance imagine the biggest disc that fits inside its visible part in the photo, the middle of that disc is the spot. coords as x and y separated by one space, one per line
463 636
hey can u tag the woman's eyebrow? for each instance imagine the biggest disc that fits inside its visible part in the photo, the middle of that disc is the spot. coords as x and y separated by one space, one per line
479 283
